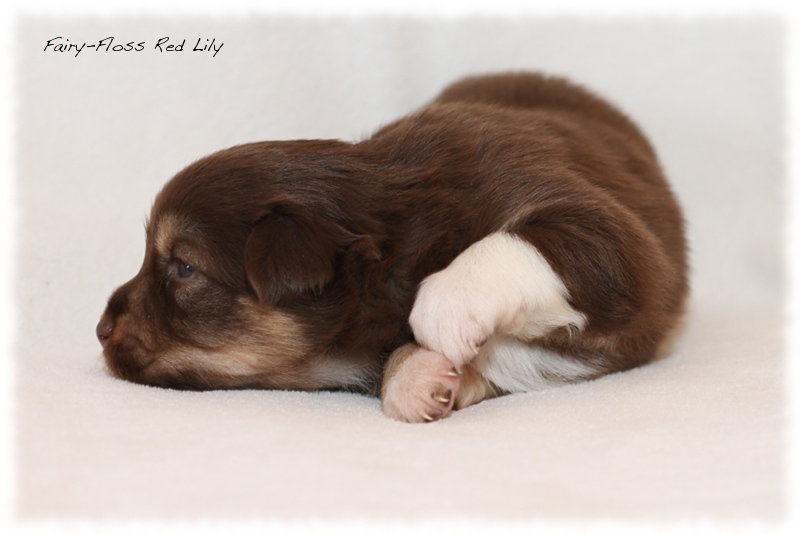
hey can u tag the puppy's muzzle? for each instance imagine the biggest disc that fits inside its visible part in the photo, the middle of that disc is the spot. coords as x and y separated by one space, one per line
104 329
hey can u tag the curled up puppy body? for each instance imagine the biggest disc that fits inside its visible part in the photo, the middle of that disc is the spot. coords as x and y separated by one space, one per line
514 234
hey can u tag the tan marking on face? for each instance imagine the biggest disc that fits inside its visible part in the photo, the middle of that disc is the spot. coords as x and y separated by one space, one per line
228 363
270 348
167 229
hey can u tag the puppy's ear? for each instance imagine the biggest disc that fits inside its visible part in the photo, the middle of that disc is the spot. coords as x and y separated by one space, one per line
290 251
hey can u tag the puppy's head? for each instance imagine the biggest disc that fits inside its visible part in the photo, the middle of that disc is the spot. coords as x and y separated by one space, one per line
229 245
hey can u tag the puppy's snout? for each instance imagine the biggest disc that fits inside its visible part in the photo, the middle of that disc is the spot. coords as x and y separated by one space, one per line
104 329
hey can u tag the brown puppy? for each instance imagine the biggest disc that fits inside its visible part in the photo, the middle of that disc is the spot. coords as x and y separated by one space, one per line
514 234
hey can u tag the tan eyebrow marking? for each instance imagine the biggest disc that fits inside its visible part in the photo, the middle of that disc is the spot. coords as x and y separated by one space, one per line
167 230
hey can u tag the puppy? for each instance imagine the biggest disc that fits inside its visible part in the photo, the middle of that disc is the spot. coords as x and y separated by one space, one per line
516 233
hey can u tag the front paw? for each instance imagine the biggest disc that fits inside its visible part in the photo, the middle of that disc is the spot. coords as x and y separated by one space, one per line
419 386
499 285
452 316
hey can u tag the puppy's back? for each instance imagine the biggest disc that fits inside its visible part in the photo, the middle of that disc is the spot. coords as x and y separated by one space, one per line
536 91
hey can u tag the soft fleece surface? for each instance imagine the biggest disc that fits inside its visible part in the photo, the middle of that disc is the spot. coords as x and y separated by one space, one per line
698 435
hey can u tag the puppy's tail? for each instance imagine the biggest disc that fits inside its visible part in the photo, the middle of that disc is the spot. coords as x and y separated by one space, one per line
530 90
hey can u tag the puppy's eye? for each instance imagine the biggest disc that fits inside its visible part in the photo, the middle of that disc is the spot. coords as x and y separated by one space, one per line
185 270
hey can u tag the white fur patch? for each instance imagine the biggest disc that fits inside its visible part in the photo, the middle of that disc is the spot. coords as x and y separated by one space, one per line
331 372
514 366
499 285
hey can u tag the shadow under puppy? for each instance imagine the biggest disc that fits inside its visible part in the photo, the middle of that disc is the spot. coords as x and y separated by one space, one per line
514 234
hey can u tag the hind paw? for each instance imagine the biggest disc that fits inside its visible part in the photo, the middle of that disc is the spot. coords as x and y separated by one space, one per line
419 386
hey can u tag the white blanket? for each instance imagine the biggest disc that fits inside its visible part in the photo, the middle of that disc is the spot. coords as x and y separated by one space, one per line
697 436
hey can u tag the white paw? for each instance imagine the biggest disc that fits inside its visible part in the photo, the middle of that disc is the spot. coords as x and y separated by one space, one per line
501 284
452 316
422 389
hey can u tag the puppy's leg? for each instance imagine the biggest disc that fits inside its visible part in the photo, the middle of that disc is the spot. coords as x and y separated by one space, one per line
499 285
420 385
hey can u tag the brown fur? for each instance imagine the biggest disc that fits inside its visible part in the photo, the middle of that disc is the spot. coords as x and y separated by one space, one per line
307 254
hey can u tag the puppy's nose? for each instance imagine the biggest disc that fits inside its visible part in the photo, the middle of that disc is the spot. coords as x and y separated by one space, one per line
104 329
